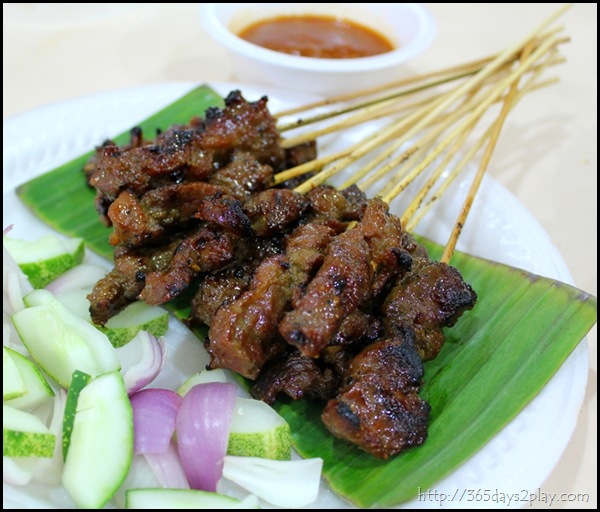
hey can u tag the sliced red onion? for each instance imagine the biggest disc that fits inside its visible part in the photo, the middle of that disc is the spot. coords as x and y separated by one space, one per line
154 416
80 277
141 360
203 424
167 468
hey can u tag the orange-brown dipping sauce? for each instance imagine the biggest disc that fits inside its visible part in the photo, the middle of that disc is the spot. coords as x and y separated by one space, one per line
316 36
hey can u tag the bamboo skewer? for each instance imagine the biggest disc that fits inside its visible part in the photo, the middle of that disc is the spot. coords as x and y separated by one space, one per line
442 75
485 160
420 119
461 69
450 116
478 111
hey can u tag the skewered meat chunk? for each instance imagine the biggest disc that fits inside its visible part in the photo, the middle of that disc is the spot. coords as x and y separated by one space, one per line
378 407
190 153
243 334
216 289
275 210
147 221
299 376
204 250
431 296
243 176
342 283
359 264
296 376
122 285
383 233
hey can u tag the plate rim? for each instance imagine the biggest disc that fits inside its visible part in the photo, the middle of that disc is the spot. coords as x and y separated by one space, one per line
578 359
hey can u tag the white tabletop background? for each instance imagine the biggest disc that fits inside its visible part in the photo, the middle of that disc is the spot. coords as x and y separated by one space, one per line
547 154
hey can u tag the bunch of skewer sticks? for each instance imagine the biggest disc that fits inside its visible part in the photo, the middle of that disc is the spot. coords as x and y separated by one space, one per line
428 121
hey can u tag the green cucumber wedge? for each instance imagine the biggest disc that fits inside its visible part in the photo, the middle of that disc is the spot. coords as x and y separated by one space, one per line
257 430
37 389
44 259
122 327
101 442
13 385
79 381
61 342
25 435
184 498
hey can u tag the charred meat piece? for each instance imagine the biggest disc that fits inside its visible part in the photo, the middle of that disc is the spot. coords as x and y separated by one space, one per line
243 334
335 207
300 154
216 289
296 376
204 250
413 247
190 153
275 210
247 126
431 296
147 221
243 176
122 285
133 169
383 233
342 283
358 325
319 379
378 407
226 213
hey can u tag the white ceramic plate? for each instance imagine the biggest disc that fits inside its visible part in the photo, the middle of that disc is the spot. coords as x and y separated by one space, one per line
516 461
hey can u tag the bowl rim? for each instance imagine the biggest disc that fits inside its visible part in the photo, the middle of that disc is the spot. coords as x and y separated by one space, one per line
423 39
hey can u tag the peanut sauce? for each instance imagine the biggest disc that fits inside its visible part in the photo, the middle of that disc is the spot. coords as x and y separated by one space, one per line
316 36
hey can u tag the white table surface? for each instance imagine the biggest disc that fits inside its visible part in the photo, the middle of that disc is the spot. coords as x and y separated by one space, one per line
546 156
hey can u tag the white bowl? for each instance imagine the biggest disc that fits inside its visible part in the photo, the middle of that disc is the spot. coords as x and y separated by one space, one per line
410 27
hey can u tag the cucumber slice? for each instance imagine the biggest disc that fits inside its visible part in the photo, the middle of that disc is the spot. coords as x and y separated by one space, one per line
60 341
38 390
257 430
184 498
25 435
217 375
123 327
44 259
78 382
136 317
101 446
13 385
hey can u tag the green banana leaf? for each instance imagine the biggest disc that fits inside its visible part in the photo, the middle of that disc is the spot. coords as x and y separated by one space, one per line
519 334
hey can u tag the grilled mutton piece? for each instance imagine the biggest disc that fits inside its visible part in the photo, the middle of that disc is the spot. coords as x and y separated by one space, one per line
150 219
431 296
378 407
122 285
359 265
243 333
190 153
205 250
342 283
299 376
